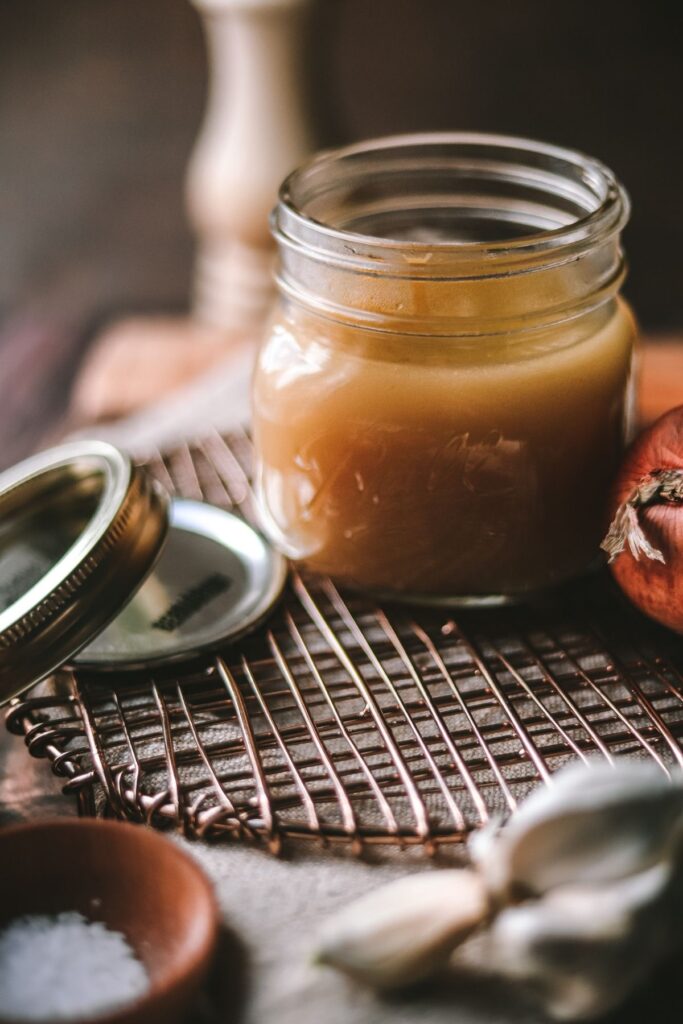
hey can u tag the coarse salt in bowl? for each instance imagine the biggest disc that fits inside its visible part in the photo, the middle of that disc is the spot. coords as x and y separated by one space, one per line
146 907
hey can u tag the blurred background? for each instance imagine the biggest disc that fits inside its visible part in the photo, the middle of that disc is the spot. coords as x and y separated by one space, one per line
100 103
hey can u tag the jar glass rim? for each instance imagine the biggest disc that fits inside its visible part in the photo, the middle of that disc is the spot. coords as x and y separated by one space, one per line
591 205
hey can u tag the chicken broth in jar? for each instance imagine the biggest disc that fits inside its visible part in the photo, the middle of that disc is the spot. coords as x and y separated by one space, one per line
442 399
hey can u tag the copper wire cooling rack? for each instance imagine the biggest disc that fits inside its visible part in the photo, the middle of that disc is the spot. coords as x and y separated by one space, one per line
341 721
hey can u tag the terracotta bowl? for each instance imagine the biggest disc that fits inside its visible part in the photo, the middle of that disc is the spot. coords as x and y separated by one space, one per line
135 881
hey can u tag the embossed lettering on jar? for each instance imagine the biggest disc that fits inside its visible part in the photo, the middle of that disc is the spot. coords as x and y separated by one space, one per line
443 396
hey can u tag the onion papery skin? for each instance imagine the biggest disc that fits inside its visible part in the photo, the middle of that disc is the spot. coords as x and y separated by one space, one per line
655 587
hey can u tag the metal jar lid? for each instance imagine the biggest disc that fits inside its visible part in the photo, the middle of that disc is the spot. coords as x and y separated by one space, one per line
216 579
80 529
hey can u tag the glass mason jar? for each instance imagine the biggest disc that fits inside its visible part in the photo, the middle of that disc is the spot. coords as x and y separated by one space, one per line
442 398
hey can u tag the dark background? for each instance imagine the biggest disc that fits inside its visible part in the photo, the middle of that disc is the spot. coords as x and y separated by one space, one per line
100 101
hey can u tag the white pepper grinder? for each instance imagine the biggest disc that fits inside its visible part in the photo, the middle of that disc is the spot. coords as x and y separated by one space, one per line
257 127
255 130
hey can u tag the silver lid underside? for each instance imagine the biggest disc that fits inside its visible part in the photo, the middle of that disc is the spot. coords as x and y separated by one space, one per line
216 579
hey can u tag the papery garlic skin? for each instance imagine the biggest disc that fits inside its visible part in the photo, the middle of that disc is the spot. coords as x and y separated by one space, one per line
593 825
406 930
581 893
584 949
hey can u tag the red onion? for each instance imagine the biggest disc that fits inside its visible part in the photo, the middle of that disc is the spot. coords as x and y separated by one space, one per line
645 540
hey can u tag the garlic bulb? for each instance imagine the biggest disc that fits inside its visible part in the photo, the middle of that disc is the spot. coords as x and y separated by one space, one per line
405 930
583 949
591 826
581 894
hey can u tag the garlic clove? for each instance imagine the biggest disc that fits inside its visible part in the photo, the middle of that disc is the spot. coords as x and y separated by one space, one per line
584 949
596 823
406 930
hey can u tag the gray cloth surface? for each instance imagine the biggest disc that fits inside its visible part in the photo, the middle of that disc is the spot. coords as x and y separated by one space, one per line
277 907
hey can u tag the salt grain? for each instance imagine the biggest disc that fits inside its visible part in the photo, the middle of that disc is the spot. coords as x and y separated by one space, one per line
65 967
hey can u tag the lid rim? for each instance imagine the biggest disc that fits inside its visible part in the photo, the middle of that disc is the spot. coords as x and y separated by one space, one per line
89 584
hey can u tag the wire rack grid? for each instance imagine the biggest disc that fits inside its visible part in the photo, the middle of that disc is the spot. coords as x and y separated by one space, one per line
343 722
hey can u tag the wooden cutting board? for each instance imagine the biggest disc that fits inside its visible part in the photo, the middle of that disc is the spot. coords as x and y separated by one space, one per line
661 376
